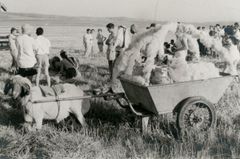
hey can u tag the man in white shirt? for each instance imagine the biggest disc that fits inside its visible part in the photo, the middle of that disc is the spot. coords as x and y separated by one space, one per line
43 46
26 47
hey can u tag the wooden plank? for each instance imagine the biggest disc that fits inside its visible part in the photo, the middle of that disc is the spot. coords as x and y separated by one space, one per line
3 37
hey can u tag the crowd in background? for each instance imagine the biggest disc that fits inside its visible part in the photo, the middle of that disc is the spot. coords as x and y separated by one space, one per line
115 44
30 52
219 32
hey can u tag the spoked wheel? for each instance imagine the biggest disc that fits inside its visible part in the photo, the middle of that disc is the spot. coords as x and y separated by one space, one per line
196 114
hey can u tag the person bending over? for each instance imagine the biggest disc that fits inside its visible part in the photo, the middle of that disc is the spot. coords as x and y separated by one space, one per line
69 66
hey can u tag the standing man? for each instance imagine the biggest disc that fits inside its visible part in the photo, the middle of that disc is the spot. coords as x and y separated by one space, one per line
111 53
26 47
100 40
43 46
13 48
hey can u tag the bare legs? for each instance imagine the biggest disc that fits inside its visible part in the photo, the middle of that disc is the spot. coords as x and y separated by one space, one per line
46 72
110 65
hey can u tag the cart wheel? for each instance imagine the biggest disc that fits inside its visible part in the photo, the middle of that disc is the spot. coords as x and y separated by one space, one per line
196 114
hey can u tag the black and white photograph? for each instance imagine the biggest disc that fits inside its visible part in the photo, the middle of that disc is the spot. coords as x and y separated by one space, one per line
119 79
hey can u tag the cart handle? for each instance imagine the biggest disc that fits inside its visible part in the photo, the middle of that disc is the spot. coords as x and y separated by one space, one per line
129 105
114 96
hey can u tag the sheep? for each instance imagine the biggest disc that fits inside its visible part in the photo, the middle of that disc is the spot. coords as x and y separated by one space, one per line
21 90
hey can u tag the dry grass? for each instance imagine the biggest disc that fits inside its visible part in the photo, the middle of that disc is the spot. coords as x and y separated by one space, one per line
115 133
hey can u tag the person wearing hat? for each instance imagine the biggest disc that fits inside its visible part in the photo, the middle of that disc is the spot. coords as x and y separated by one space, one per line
26 46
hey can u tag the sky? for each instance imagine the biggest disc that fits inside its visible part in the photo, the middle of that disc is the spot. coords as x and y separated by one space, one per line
162 10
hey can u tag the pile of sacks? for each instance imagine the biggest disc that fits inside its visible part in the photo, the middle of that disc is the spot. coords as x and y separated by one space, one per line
179 70
150 45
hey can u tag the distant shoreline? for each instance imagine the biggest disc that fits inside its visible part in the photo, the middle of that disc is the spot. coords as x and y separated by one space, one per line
40 19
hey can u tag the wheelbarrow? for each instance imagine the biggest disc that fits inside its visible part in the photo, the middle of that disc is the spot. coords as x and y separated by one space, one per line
191 102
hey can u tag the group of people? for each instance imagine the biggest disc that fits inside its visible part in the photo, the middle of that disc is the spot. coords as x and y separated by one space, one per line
30 55
117 42
221 33
218 32
88 41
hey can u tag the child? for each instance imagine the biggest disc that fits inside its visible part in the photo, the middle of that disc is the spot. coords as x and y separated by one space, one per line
43 46
100 40
13 48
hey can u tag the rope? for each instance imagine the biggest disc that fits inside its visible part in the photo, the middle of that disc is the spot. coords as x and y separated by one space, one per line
57 100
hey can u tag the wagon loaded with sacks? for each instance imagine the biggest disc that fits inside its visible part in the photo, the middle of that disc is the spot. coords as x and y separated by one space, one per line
191 102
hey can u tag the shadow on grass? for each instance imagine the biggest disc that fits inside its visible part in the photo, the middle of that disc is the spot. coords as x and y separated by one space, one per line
10 113
107 118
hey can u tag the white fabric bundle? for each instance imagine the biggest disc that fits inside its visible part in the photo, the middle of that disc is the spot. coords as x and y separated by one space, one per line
203 70
126 61
135 79
232 58
156 47
160 76
179 69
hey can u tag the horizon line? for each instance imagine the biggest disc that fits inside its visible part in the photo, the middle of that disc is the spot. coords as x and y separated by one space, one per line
134 18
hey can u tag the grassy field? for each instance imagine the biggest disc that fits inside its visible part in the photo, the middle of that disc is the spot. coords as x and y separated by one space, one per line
113 133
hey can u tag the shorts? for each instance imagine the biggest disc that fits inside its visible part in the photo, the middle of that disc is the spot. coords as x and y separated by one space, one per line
111 54
27 72
43 61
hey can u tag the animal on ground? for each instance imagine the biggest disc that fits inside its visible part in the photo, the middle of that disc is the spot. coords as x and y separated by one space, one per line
21 90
